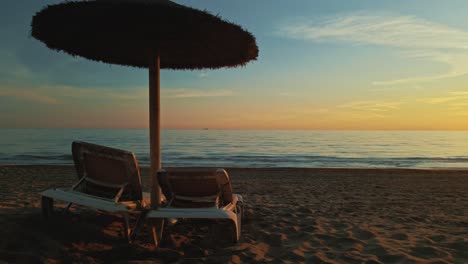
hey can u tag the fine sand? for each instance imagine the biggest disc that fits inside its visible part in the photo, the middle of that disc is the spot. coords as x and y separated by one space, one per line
292 216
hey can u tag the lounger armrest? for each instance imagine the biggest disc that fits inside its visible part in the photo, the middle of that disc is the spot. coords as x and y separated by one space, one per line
224 175
236 198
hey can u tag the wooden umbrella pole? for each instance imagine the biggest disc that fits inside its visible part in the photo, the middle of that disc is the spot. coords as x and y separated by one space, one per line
155 143
155 128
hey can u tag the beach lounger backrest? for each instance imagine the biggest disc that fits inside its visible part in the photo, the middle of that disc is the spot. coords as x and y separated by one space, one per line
105 170
197 183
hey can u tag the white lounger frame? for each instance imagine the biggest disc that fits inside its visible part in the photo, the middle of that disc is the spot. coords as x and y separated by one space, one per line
97 203
73 196
233 211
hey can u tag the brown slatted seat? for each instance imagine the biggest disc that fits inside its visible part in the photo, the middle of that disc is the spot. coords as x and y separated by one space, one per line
196 187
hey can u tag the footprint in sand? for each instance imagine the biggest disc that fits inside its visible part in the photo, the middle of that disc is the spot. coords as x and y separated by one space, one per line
348 243
375 249
305 246
438 238
275 239
460 245
399 236
320 257
363 234
394 258
325 238
428 252
353 256
295 255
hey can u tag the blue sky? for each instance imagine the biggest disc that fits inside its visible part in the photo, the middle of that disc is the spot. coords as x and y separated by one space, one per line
322 65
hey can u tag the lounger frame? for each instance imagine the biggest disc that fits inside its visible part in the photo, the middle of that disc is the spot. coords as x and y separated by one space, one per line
233 212
114 204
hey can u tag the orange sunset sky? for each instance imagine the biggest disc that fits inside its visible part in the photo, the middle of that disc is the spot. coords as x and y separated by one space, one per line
384 65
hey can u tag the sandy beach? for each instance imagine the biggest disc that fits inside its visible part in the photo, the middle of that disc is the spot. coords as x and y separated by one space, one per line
292 216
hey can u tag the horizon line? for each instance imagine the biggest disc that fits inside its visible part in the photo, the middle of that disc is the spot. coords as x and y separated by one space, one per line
259 129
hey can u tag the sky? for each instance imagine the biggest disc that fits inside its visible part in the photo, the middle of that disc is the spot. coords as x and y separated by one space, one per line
323 64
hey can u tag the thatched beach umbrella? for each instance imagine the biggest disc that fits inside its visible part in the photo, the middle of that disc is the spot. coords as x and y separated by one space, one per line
150 34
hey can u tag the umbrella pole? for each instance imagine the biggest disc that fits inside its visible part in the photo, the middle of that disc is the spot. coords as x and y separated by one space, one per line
155 143
155 128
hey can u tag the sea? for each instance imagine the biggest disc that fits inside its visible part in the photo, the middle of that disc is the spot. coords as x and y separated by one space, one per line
249 148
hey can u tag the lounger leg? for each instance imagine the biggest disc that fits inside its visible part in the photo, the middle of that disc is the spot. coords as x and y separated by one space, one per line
241 206
47 205
240 216
138 224
67 208
235 231
127 227
157 228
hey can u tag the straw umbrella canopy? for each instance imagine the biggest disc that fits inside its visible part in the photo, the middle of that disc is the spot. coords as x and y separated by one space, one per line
151 34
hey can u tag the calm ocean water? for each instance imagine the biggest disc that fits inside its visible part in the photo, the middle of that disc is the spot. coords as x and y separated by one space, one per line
249 148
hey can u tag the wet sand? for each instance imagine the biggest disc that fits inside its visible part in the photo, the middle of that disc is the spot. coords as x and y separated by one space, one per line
293 215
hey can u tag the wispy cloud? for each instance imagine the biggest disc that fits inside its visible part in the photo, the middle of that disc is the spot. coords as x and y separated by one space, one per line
399 31
288 94
418 38
461 93
192 93
203 74
11 69
455 59
142 93
438 100
131 93
369 109
455 99
53 95
455 102
372 106
29 95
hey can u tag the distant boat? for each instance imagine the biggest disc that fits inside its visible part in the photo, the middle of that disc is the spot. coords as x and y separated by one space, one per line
205 128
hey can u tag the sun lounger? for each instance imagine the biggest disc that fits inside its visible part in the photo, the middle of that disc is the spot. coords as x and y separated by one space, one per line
197 193
109 180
